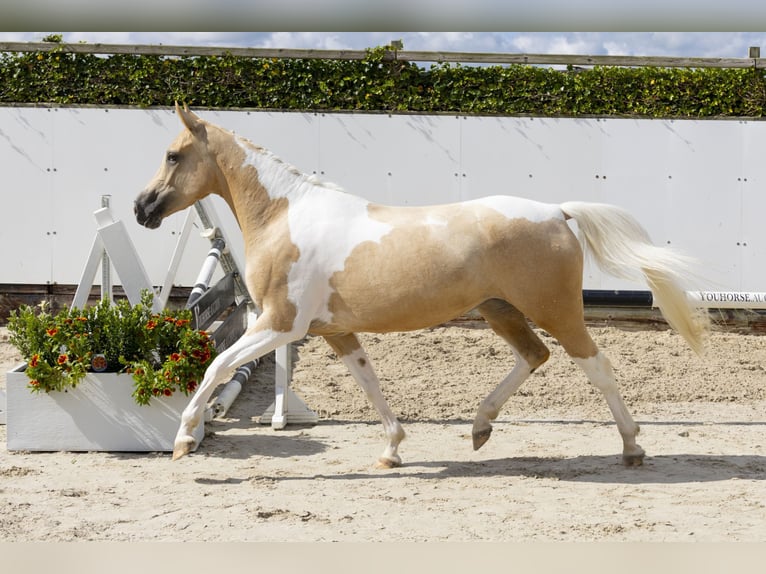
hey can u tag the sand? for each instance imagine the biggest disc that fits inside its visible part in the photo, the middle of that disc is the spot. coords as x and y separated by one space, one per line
551 471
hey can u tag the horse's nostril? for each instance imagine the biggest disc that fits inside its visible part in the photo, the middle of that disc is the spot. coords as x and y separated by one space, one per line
139 212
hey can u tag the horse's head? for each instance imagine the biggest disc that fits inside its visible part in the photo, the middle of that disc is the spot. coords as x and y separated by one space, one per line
187 174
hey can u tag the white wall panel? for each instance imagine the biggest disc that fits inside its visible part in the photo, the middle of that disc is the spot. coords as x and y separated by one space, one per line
548 159
704 200
694 184
403 160
751 243
26 163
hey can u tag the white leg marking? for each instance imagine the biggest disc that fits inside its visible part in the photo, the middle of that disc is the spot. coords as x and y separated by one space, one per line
599 372
252 345
361 369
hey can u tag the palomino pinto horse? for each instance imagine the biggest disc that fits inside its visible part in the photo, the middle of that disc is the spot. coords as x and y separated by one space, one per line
321 261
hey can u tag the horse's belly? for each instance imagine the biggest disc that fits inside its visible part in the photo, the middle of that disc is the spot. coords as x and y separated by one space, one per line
397 307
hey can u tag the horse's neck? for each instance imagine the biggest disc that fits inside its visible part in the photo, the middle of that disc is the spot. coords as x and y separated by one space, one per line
262 187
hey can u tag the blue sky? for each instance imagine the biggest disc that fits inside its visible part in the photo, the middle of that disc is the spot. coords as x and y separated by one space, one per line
691 44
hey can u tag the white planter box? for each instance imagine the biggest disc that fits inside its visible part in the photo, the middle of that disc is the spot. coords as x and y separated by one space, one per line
99 415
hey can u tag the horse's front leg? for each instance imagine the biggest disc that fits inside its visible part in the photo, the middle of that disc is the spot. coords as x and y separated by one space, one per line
350 351
254 343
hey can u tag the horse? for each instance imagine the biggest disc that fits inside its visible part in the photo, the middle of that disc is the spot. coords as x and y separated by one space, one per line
321 261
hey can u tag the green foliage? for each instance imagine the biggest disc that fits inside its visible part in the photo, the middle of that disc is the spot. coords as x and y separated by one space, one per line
376 84
161 350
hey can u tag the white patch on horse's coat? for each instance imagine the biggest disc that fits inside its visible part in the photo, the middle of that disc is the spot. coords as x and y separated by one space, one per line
435 221
519 207
325 225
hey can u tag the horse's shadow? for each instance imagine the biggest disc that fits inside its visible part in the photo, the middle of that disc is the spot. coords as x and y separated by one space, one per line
662 469
605 469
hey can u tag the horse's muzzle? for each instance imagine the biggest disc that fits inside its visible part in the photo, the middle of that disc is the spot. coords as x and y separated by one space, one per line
150 219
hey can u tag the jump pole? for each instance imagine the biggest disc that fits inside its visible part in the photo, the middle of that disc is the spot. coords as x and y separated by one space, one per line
230 391
202 283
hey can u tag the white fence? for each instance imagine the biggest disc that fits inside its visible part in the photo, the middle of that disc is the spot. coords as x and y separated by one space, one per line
694 184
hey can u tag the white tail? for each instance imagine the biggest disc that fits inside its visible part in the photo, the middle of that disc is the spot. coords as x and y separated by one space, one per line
622 248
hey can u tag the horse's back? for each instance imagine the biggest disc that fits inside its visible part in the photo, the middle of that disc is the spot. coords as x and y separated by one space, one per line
437 262
513 207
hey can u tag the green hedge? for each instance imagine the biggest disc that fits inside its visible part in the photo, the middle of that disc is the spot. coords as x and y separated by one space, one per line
377 84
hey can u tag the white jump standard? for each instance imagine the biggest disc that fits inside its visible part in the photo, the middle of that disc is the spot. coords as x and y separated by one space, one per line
324 262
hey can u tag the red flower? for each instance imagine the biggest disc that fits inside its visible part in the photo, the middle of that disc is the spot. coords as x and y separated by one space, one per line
191 385
62 359
52 332
82 319
34 383
35 361
168 392
175 357
182 322
151 324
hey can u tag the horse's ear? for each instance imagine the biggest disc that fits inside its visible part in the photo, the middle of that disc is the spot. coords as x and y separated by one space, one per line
193 123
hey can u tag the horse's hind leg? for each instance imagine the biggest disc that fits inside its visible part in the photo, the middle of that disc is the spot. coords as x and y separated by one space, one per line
350 351
576 341
600 374
530 353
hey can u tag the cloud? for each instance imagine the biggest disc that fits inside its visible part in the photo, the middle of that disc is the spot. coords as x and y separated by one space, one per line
313 40
555 43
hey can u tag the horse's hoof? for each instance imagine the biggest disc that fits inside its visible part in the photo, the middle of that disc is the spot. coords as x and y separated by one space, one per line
182 447
633 459
386 463
481 437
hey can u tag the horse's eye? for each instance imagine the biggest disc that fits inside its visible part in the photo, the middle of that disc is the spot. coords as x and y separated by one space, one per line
172 157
